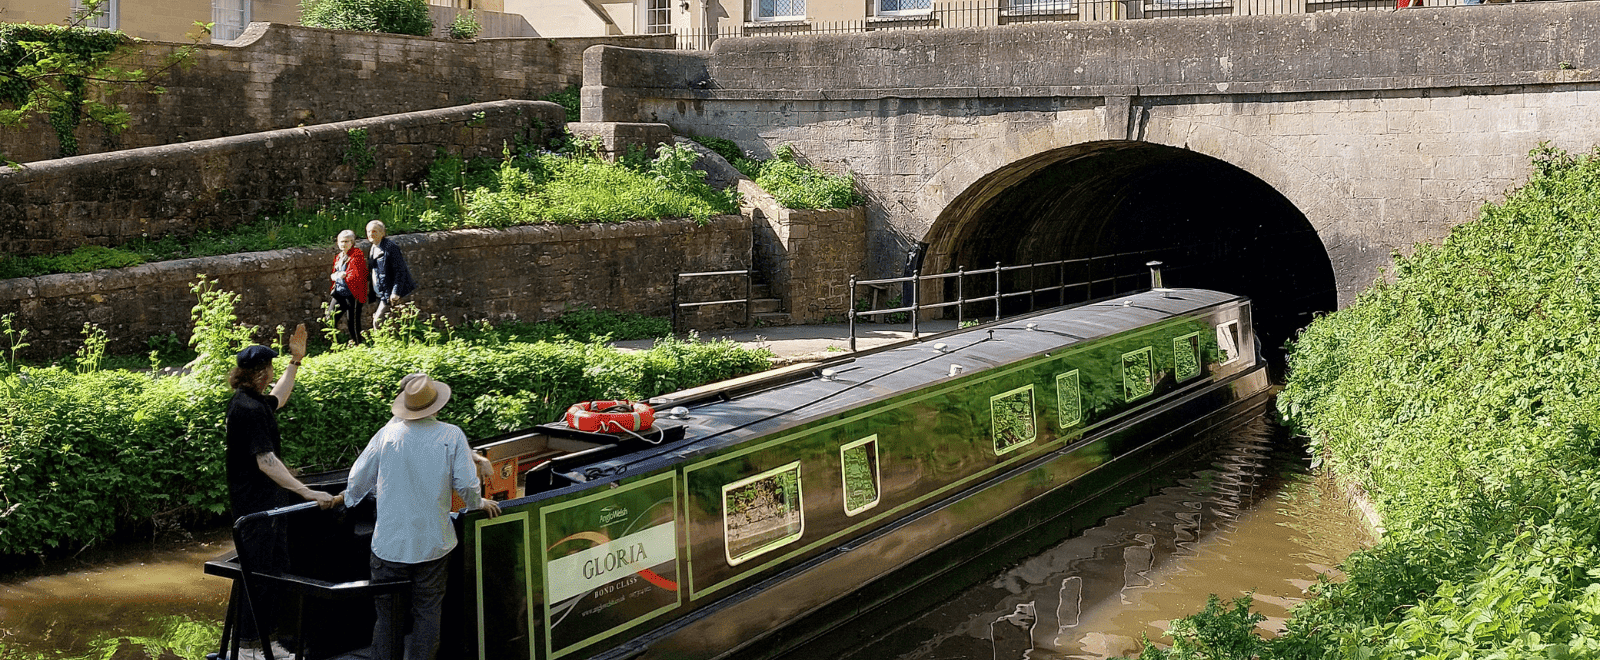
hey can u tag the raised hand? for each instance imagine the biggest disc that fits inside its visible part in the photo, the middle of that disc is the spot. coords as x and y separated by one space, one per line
297 342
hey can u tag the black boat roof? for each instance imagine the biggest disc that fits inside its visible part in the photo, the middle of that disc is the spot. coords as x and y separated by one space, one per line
915 364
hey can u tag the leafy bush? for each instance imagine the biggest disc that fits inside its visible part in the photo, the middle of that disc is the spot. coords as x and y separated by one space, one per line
142 448
465 26
730 152
798 186
392 16
1213 633
526 187
793 184
568 98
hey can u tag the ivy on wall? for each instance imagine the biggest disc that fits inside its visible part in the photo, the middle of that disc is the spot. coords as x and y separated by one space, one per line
45 70
65 73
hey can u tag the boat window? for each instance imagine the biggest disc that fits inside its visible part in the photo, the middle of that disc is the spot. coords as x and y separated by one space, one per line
762 513
1138 374
1186 356
501 549
1069 399
1228 341
1013 419
859 463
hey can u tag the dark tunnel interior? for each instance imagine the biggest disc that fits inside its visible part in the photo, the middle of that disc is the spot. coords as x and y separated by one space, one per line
1112 206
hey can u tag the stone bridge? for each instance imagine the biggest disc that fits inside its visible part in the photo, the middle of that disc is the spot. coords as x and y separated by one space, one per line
1284 157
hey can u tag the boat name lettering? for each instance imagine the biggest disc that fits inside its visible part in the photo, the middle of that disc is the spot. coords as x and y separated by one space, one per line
612 561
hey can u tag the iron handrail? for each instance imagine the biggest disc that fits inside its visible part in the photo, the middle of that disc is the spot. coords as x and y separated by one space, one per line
916 279
746 301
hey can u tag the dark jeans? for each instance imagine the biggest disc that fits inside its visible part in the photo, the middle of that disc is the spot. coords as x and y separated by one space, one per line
263 548
346 306
427 604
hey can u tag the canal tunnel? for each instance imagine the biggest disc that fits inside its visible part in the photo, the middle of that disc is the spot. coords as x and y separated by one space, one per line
1106 208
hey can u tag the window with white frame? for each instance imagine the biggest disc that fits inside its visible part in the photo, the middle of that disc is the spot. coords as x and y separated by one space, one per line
780 10
657 16
230 18
104 15
1041 6
903 7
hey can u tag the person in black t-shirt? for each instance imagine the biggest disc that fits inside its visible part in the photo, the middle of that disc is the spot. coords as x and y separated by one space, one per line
258 479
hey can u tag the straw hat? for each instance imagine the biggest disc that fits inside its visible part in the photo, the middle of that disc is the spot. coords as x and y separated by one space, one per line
420 396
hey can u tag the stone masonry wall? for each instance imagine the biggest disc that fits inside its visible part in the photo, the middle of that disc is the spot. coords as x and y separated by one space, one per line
108 199
1380 147
808 256
282 76
528 273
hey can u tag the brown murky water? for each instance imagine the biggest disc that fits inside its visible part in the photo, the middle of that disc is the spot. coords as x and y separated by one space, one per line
148 602
1246 516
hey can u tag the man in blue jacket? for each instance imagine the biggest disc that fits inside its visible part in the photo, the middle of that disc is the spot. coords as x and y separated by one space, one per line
391 278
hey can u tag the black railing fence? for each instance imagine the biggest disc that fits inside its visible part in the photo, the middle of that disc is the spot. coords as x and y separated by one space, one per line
924 15
993 293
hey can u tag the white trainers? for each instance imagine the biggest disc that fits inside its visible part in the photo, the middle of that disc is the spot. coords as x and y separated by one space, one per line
280 653
252 651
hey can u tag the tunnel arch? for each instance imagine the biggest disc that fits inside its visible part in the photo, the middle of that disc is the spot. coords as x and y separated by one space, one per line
1215 225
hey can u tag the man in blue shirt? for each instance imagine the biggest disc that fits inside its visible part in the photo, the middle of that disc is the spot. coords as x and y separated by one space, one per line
391 276
413 464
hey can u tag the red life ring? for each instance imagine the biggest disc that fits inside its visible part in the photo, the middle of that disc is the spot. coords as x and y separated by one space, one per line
611 416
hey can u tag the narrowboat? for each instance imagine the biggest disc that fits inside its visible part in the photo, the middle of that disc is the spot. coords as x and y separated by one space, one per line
758 511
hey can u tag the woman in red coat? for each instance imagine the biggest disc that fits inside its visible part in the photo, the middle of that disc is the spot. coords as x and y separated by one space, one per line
349 284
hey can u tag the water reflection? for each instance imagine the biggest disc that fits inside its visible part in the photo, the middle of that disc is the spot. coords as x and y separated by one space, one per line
1243 517
141 603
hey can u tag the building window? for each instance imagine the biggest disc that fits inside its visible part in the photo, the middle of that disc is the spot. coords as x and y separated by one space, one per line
104 16
1025 7
903 7
230 18
657 16
780 10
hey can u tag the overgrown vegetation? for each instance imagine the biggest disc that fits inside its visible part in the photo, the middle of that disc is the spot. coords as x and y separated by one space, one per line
1465 396
145 449
528 187
465 26
568 99
795 185
392 16
66 74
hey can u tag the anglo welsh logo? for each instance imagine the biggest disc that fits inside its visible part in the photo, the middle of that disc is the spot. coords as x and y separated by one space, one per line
612 514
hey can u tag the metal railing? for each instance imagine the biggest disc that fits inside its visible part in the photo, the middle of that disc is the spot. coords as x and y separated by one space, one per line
980 13
1036 286
678 304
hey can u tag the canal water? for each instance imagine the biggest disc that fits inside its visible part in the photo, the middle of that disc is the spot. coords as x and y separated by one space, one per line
1244 516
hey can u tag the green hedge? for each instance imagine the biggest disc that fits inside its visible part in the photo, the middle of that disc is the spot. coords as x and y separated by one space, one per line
85 453
1465 397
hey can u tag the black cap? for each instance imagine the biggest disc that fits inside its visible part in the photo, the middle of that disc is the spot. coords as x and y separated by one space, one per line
255 357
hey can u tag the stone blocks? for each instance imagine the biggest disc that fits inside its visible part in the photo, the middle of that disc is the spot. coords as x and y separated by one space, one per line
112 198
528 273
